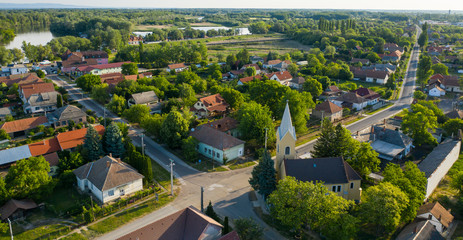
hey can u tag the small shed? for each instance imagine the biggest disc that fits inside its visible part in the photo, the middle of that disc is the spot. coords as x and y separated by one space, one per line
16 209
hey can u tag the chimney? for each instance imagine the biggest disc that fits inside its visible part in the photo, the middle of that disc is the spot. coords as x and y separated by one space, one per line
111 154
415 230
44 142
108 163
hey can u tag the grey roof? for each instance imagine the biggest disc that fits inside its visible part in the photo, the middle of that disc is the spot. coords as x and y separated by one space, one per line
66 113
14 154
145 97
215 138
453 114
5 111
328 170
107 173
390 136
43 99
386 150
351 97
286 125
420 230
430 164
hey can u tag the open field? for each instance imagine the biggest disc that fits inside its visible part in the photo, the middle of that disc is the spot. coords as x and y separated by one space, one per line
151 27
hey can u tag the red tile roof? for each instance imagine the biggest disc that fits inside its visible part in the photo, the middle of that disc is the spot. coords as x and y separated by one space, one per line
23 124
367 93
282 76
20 79
248 79
35 88
52 159
438 211
176 65
447 80
273 62
74 138
214 103
44 147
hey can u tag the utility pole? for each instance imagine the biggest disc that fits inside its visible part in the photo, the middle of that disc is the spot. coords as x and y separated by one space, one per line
321 124
266 138
93 214
171 177
202 204
11 229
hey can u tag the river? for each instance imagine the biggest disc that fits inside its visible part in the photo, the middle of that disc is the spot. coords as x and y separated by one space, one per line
35 38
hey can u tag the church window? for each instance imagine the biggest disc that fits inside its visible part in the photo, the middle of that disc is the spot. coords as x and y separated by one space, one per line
287 150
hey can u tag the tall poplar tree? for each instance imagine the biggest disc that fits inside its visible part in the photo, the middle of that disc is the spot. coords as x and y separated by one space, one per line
92 144
112 140
263 178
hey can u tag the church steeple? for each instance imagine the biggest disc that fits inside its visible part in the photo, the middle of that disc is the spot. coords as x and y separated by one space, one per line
286 140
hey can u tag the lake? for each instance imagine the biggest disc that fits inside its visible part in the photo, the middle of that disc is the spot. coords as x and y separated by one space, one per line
35 38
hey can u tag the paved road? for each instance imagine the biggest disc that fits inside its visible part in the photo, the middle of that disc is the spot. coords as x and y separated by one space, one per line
404 101
228 191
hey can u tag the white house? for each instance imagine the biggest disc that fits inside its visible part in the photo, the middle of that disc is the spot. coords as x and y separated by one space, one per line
438 162
437 215
379 77
351 100
283 77
108 179
18 69
216 144
102 68
177 67
435 91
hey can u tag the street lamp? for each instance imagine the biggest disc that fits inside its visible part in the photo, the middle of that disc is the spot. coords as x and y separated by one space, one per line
171 176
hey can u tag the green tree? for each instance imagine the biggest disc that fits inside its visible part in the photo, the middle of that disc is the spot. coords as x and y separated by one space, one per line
423 39
100 93
189 152
412 182
451 127
254 119
29 178
187 94
211 213
344 227
4 194
312 86
420 132
92 144
233 97
136 113
112 140
4 135
424 71
174 128
73 161
263 176
363 158
440 68
297 204
258 28
293 69
419 95
333 141
248 229
129 69
59 101
226 226
152 124
250 71
117 104
382 206
200 85
88 81
373 57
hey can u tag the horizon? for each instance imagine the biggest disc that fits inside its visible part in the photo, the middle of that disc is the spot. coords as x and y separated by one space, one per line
354 5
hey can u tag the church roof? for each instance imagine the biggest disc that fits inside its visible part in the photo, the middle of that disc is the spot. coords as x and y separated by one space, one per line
286 125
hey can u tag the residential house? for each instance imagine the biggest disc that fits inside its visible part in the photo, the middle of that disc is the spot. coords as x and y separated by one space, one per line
47 148
332 90
446 82
390 144
387 67
420 230
64 115
370 75
210 106
392 47
351 100
20 79
436 165
255 66
282 66
12 155
146 98
177 67
18 69
135 40
41 102
271 63
256 59
245 80
434 90
188 223
71 139
455 114
302 63
5 111
108 179
335 173
391 57
227 125
437 215
236 73
73 60
363 61
21 127
112 79
16 209
328 110
297 82
368 94
216 144
283 77
101 69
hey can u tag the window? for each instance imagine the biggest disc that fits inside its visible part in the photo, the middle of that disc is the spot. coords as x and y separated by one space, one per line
218 155
80 119
111 193
63 123
287 150
351 185
336 188
57 124
210 152
205 149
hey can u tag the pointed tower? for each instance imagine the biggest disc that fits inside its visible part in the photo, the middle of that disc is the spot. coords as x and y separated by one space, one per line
286 140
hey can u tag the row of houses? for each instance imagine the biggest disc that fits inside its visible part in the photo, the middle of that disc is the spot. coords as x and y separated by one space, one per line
439 85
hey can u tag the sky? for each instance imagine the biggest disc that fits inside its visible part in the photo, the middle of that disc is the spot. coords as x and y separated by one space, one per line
295 4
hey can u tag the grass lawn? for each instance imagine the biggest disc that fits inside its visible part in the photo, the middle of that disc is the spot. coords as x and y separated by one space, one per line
44 232
74 236
241 165
64 199
379 109
161 175
113 222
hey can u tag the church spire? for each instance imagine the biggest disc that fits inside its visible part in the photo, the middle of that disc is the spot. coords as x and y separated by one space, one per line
286 125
